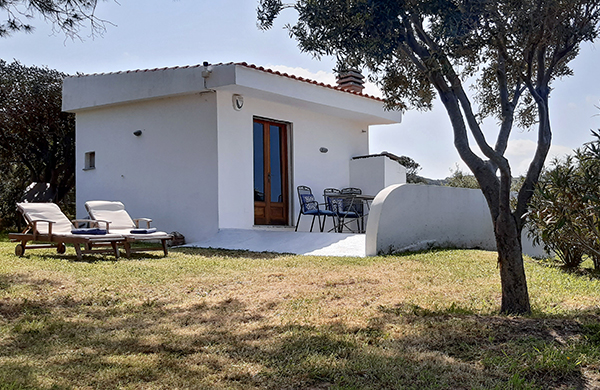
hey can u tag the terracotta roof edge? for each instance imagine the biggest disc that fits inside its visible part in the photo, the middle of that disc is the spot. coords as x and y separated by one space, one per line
244 64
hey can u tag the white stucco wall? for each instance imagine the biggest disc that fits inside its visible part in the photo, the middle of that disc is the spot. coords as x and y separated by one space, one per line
310 131
413 217
191 170
169 173
372 174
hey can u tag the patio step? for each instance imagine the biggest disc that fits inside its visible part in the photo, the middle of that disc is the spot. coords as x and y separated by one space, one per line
300 243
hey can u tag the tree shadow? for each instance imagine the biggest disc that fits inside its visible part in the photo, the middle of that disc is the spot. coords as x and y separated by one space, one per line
589 273
100 257
231 253
101 341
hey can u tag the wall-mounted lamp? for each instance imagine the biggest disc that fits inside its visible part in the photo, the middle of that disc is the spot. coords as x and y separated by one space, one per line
238 102
207 69
137 133
323 150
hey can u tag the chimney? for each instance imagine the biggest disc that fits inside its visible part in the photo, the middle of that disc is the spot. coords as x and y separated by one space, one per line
351 80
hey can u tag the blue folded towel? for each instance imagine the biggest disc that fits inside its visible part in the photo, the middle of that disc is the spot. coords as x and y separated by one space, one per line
143 231
91 231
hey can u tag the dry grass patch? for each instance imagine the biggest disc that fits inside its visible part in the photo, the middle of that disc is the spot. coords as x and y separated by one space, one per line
207 319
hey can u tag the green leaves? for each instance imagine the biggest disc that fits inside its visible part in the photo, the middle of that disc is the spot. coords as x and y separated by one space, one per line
37 139
565 209
267 11
67 16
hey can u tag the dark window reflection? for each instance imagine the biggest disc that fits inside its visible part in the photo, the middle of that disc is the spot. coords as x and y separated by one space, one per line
259 178
276 179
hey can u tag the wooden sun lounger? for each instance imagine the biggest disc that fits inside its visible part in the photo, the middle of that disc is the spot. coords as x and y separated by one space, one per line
48 227
121 223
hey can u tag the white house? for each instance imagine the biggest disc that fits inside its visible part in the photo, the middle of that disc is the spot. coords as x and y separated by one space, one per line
208 147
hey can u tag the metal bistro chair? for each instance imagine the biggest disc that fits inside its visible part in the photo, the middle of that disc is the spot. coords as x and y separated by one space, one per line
309 206
353 206
327 193
339 206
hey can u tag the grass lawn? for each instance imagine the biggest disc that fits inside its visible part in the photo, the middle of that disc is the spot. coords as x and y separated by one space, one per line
208 319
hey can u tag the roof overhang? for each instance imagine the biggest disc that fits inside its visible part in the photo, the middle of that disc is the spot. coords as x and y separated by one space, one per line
103 90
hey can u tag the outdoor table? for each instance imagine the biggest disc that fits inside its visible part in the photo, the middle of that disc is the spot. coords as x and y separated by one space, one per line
354 201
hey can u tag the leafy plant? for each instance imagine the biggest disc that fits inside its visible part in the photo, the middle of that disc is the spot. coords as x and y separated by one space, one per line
565 209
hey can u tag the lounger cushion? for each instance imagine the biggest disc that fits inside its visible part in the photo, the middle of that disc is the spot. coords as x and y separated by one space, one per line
111 211
48 212
120 221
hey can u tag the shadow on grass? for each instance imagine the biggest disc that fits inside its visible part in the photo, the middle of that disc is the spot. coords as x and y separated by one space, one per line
103 342
589 273
100 258
242 254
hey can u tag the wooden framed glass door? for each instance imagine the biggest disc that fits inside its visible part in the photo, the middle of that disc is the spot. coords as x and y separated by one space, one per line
271 200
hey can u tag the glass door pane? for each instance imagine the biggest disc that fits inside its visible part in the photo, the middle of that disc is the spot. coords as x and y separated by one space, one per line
276 161
271 203
259 166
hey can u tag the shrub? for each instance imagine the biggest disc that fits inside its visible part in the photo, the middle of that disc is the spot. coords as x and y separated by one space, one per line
564 211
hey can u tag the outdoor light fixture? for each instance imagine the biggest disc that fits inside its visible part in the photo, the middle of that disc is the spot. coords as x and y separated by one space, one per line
238 102
207 69
323 150
137 133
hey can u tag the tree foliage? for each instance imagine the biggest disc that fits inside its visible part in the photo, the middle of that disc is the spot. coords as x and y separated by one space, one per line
565 209
37 139
458 178
412 169
417 49
68 16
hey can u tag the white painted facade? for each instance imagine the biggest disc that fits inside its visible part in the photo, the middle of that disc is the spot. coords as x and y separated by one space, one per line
374 173
191 169
412 217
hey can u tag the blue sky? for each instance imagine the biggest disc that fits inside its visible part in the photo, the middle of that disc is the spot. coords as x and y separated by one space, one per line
159 33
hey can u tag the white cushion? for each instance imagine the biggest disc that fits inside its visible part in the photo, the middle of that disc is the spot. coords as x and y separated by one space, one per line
111 211
48 212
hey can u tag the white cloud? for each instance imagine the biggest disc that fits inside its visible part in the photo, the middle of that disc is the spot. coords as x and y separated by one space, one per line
521 151
592 99
322 77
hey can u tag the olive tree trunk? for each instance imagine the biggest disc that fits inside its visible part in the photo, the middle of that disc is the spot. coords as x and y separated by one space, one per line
496 190
515 297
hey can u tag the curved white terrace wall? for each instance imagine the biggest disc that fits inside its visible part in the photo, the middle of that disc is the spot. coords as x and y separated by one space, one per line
410 217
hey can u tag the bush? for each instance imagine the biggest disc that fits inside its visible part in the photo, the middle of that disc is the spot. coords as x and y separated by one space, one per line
461 179
38 139
564 211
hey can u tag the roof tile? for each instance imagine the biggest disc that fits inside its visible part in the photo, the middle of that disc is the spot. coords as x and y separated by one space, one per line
246 65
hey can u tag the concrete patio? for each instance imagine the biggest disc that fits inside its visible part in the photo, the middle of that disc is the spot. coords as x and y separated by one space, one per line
286 241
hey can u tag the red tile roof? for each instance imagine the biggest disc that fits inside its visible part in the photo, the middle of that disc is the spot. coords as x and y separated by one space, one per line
246 65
